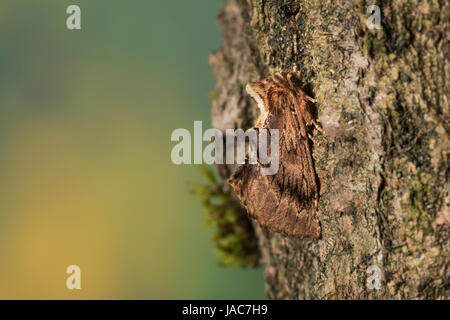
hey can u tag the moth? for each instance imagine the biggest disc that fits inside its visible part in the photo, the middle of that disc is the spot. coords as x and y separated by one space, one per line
287 201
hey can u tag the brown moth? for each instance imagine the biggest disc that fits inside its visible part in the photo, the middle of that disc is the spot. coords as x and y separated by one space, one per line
286 201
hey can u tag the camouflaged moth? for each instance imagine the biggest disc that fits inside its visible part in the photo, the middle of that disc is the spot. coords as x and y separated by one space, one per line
286 201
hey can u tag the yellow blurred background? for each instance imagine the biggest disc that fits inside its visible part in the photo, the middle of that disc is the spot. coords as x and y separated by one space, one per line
85 170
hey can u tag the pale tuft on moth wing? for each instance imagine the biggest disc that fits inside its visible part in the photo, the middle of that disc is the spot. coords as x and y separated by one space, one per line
257 97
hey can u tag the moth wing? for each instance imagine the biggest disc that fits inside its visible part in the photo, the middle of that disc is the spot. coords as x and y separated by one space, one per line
287 201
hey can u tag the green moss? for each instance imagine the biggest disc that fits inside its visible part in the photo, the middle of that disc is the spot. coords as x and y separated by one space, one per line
415 205
233 236
213 96
375 46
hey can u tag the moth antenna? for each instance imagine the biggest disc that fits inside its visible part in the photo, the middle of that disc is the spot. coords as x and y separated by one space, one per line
310 99
311 138
316 125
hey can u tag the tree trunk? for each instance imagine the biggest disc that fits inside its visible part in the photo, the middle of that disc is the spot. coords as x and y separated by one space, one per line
383 162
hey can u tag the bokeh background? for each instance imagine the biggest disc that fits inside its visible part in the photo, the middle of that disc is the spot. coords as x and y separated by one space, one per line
85 170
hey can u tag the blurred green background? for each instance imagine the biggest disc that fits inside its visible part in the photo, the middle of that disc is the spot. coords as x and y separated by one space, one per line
85 170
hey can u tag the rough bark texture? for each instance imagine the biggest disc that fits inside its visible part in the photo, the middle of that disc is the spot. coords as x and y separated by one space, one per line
384 159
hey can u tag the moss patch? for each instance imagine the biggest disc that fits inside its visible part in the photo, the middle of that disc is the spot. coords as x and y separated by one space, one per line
233 235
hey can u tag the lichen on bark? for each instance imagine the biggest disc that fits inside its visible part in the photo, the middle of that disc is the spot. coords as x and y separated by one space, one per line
384 158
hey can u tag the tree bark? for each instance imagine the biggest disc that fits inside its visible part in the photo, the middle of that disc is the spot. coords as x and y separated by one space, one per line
383 161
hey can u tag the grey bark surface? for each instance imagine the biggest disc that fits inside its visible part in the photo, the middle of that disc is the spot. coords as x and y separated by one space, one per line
383 162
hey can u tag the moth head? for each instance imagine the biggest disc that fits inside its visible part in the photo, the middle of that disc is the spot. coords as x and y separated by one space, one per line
257 91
